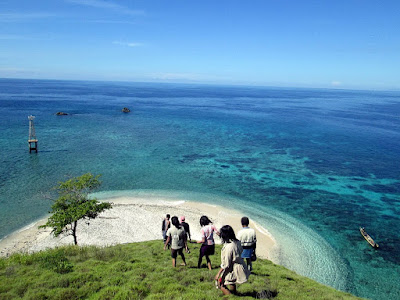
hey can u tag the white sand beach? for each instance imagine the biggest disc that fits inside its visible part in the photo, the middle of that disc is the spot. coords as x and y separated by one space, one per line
135 219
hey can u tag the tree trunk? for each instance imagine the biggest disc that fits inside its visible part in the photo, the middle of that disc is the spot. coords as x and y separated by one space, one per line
74 232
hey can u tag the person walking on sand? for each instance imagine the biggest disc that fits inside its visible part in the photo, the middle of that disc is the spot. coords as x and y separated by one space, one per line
207 241
165 226
177 236
248 239
233 270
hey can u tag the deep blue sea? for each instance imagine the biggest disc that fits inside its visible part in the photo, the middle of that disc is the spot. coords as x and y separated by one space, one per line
311 165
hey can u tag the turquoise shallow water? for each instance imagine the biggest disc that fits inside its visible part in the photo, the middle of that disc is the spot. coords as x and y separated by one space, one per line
310 165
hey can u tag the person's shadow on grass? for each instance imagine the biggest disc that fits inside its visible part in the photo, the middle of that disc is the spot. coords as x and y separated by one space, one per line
264 294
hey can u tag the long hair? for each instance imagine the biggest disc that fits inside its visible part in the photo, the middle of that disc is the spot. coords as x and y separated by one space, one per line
227 234
175 222
204 220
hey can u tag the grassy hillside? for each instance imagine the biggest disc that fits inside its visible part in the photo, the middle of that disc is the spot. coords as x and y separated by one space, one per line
138 271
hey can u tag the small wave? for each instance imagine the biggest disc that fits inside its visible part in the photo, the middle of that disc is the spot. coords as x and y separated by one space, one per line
303 250
265 231
29 226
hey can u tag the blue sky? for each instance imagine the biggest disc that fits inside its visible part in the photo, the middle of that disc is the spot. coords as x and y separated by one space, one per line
339 44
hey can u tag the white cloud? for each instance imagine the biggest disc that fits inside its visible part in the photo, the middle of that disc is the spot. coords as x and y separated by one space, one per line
107 5
336 83
128 44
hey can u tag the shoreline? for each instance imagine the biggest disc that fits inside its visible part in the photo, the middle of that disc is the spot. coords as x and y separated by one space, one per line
135 219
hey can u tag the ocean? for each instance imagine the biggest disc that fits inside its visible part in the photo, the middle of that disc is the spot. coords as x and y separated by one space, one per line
311 165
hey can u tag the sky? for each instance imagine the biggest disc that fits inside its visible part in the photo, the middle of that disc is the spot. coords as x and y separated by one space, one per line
346 44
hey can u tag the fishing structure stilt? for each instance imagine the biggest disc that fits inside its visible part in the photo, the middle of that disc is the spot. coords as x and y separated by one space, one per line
32 140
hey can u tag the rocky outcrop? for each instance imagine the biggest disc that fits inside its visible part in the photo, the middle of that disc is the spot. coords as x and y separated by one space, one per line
126 110
60 113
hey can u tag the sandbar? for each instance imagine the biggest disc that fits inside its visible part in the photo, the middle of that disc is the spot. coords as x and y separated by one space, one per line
135 219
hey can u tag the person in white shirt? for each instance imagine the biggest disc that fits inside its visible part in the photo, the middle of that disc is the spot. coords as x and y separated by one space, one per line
233 269
248 239
176 235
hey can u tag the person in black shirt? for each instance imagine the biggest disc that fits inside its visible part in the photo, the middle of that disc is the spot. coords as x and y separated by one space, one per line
166 224
187 229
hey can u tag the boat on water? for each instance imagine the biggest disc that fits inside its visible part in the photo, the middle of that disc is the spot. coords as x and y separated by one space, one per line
368 238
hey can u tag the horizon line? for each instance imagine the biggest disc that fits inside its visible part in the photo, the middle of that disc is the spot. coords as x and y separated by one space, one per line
255 85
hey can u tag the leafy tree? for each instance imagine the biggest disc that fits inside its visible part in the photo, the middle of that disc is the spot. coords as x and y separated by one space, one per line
74 204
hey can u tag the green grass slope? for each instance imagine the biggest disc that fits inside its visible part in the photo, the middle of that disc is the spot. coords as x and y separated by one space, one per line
142 271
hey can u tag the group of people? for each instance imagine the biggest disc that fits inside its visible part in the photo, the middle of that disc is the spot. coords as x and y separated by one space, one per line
235 249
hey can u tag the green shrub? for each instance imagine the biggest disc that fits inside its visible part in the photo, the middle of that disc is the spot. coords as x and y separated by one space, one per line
104 254
7 296
56 261
62 282
125 294
91 288
10 271
118 280
107 293
3 263
21 288
140 289
4 287
37 294
78 280
122 266
65 294
22 259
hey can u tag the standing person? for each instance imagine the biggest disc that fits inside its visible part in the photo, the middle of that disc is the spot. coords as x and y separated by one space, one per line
177 236
165 226
207 241
233 270
248 239
186 227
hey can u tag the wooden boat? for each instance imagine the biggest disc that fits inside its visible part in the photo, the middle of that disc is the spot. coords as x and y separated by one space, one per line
368 238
